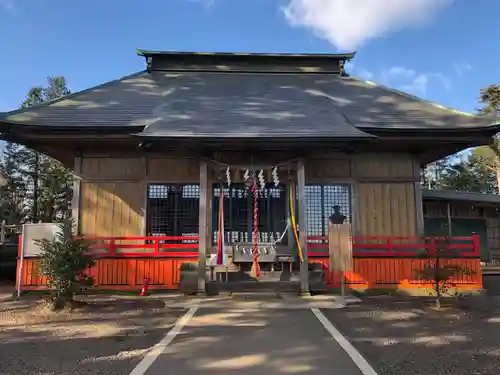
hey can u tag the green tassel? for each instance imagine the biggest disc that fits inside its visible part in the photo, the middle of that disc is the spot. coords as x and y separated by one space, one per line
291 238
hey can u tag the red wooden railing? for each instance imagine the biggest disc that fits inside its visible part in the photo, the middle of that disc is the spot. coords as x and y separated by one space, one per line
390 246
363 246
151 246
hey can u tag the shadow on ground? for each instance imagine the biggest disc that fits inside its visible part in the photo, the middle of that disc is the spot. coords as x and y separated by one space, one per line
406 336
215 341
253 342
491 283
101 338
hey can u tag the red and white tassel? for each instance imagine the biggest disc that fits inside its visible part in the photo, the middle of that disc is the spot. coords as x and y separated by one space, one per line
255 191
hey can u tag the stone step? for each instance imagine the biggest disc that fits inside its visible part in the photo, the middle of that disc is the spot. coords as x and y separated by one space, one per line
257 296
256 286
271 276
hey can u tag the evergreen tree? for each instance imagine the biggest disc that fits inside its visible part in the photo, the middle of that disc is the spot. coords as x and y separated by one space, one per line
13 188
55 191
37 186
469 174
477 171
432 173
490 98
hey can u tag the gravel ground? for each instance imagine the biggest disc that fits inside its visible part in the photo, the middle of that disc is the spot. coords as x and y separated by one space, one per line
108 335
409 337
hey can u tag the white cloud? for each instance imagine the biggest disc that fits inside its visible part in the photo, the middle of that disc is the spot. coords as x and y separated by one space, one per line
445 81
7 4
417 85
347 24
398 72
205 3
461 68
406 79
366 74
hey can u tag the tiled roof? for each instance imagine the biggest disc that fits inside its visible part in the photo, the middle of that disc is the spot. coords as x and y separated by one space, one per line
245 105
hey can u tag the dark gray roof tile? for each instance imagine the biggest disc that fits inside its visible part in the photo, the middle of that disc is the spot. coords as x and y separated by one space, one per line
244 104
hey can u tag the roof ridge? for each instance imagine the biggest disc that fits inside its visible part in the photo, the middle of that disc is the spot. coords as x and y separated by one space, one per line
147 53
3 115
242 72
416 98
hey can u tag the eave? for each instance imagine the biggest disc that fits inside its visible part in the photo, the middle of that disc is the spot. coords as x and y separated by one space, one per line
61 130
487 131
459 196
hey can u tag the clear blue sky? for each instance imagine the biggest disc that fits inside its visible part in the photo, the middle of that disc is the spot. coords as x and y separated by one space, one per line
442 50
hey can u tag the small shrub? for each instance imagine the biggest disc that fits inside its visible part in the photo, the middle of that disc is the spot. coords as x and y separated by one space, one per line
441 275
64 261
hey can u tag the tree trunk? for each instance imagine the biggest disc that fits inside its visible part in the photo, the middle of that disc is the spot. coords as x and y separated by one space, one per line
35 187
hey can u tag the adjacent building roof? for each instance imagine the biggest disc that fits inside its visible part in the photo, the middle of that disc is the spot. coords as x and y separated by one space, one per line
449 195
186 94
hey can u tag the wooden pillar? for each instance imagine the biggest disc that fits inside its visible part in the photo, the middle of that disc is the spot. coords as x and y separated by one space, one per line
419 205
75 203
144 197
203 227
302 206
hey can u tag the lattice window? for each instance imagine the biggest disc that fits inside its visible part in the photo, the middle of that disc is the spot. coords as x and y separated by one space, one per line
238 213
324 200
172 210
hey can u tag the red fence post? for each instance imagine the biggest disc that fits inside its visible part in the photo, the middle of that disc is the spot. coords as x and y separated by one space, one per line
157 246
389 244
19 265
112 249
431 247
476 244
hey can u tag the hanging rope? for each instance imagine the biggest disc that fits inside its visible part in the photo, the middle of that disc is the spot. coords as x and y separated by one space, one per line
255 229
225 165
282 234
220 227
294 226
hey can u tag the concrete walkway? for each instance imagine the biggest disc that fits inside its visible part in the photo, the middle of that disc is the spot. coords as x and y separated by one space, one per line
258 301
6 292
244 301
251 341
4 297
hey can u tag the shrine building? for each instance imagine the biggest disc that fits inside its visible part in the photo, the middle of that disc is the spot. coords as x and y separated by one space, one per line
154 152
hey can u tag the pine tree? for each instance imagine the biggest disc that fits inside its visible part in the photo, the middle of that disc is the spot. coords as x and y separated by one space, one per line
490 98
38 188
469 174
432 173
13 189
55 191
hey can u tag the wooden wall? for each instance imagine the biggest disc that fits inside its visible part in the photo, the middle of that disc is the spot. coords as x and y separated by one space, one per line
386 200
387 209
111 208
112 194
493 230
